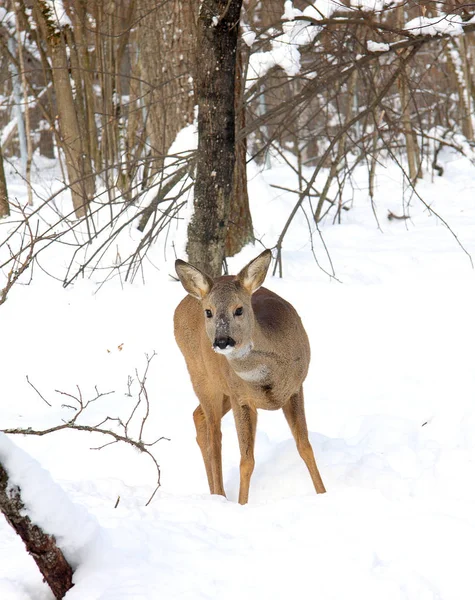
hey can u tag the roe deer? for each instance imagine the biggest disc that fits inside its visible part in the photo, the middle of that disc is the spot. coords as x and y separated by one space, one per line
245 348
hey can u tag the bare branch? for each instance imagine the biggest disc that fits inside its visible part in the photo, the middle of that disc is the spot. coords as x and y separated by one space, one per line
123 435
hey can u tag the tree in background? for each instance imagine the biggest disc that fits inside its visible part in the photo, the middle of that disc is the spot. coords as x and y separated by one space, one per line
4 206
77 155
326 87
217 47
165 54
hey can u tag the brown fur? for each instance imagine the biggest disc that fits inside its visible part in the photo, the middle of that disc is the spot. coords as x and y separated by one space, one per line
269 375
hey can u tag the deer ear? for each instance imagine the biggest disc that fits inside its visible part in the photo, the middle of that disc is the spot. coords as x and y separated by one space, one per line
195 282
253 274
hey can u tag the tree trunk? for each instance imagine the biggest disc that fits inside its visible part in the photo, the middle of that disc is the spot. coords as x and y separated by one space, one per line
218 27
42 547
166 53
412 150
80 21
4 206
26 110
456 53
46 140
240 230
18 100
78 162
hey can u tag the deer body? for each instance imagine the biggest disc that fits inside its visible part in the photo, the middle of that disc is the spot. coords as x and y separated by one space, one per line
245 348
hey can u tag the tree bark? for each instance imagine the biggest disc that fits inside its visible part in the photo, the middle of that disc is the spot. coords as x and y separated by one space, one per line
218 27
79 18
18 99
166 54
42 547
78 161
4 206
240 230
26 109
412 150
456 53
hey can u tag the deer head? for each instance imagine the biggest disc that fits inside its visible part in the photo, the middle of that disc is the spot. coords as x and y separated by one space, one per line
226 302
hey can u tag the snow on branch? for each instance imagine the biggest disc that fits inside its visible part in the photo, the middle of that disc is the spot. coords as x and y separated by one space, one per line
7 20
46 504
377 46
432 26
301 28
56 15
53 529
284 51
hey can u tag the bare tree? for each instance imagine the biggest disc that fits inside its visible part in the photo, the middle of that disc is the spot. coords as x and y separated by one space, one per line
78 161
344 94
122 92
218 27
166 46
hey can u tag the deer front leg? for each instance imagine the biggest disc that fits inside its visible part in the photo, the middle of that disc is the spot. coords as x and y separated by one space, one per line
245 418
202 439
294 412
207 420
214 453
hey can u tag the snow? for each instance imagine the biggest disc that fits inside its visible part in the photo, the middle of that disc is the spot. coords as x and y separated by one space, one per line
58 12
323 8
377 46
389 403
289 12
46 504
374 5
284 51
298 31
248 36
443 24
7 19
283 54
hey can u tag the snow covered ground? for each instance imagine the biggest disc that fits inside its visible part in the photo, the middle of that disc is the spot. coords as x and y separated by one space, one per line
390 401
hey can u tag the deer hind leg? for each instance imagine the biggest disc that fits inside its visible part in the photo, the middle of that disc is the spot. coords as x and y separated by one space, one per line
208 436
245 418
294 412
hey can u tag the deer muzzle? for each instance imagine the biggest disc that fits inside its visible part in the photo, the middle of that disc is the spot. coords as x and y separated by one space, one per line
223 343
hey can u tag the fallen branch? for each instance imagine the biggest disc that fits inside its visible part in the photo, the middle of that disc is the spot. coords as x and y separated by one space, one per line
55 569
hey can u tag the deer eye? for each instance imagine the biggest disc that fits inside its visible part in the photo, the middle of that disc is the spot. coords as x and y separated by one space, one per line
208 313
238 311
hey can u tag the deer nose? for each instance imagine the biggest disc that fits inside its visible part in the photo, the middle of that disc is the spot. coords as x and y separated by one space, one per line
224 342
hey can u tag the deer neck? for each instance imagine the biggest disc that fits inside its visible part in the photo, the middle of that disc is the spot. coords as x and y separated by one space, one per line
253 362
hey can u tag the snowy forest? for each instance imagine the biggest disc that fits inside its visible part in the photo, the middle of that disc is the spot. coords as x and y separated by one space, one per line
340 135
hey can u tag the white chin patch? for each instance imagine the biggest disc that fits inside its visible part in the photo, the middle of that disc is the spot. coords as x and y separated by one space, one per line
239 352
225 351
